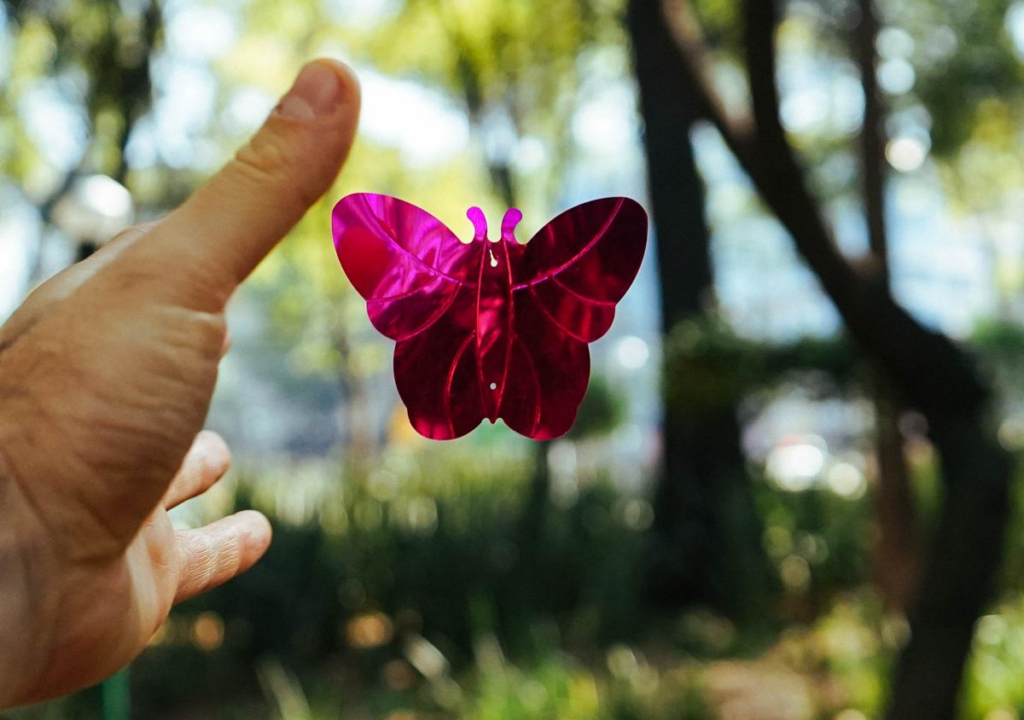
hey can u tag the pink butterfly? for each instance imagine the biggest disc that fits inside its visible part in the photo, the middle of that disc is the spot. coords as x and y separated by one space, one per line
490 328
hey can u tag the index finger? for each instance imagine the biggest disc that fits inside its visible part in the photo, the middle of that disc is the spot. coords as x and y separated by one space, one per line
231 223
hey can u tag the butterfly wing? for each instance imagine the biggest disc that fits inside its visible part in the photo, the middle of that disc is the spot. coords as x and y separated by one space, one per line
419 282
566 283
436 373
406 263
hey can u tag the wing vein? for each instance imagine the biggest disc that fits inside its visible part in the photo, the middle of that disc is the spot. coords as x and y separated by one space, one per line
432 319
451 379
532 365
405 251
583 298
402 295
583 251
547 313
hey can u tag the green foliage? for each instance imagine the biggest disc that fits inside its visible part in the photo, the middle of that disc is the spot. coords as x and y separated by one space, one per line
399 591
818 543
602 410
965 60
708 366
102 47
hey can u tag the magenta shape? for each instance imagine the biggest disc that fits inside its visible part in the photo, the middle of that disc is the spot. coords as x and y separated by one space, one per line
490 329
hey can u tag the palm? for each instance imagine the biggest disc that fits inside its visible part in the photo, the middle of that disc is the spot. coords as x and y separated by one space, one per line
97 546
137 590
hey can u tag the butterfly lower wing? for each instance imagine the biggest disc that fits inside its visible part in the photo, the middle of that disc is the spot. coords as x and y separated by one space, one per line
406 263
566 283
419 282
436 373
579 265
547 375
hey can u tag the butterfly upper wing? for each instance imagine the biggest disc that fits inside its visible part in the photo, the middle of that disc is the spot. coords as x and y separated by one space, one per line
419 282
406 263
579 265
566 282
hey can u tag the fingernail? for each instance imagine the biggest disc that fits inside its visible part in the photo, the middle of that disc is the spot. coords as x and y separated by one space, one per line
315 93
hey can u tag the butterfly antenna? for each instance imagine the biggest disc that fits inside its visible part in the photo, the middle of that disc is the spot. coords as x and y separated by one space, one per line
476 216
508 225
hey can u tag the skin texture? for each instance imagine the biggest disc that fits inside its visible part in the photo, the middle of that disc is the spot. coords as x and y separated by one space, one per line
106 375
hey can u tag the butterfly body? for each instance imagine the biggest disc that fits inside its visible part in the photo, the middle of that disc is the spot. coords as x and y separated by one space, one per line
494 318
491 328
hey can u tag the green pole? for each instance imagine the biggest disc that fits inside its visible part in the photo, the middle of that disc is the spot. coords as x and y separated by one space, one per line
116 697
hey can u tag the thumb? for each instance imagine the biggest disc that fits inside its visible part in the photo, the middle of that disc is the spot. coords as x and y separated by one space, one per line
220 234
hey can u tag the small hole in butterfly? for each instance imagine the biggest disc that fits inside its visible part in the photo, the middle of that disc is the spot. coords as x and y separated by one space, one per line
494 386
494 260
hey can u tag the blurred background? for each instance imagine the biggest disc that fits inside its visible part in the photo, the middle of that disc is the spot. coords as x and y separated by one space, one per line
790 492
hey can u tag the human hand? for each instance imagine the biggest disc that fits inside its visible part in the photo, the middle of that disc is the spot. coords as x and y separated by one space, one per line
106 375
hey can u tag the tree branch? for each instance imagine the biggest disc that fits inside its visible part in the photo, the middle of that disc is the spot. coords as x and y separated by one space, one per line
761 19
947 385
692 67
937 377
872 139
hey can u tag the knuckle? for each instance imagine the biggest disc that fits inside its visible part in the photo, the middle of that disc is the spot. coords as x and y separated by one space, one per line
197 564
208 559
266 162
213 331
133 232
130 279
230 558
201 283
262 160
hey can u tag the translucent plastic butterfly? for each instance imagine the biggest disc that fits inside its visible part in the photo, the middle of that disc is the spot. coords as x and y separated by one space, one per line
490 328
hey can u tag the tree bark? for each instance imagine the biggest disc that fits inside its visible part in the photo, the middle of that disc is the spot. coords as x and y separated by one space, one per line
896 561
706 536
959 578
935 375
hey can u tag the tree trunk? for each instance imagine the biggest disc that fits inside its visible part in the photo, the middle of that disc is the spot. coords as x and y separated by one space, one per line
959 578
706 536
896 561
936 377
